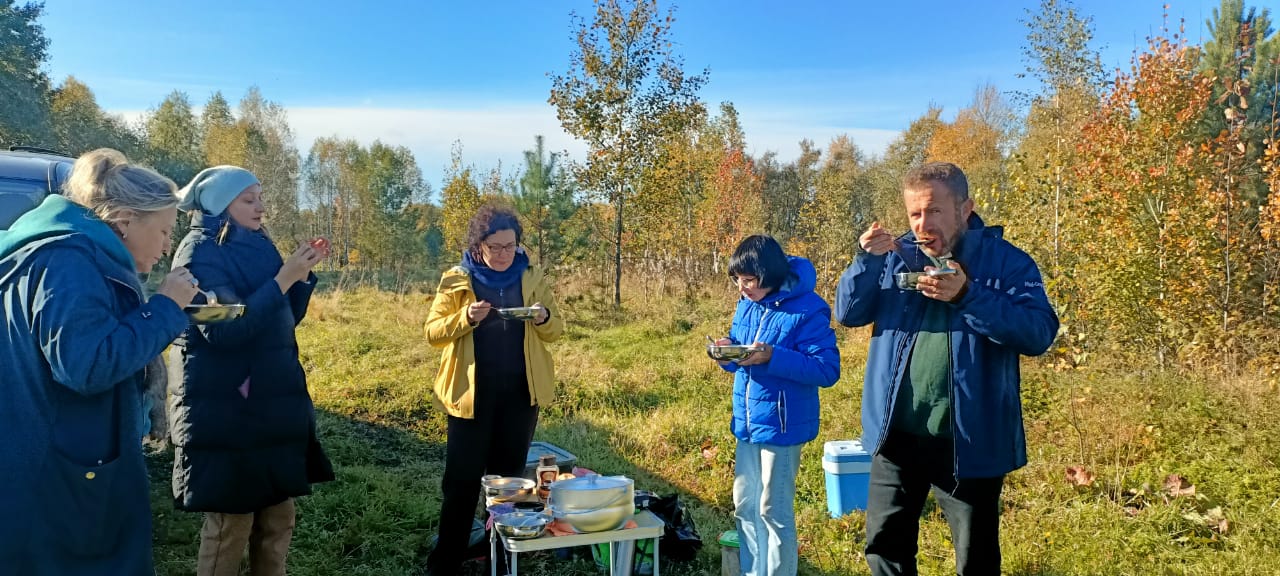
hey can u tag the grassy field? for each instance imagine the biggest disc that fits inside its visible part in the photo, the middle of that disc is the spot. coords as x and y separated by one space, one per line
639 397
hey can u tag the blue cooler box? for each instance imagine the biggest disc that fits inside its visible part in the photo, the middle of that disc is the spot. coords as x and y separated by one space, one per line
848 470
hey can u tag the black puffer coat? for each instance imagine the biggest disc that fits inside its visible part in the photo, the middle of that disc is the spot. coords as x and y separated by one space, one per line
235 452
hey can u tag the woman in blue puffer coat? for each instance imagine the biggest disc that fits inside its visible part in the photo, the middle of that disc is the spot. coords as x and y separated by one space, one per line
775 395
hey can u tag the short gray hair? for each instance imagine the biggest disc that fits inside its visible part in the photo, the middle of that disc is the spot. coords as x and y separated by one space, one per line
105 182
945 173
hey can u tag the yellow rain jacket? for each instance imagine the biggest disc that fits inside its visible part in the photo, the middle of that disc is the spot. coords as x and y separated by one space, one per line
447 328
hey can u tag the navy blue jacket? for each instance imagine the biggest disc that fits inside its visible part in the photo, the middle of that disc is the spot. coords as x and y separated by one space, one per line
1003 314
777 402
75 338
236 454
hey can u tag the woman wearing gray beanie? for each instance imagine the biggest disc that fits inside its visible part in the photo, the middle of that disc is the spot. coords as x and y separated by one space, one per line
244 428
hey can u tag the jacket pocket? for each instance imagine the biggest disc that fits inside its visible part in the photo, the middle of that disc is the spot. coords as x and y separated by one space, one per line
82 511
782 410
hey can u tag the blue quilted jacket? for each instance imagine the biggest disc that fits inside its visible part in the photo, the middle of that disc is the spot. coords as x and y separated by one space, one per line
1003 315
777 402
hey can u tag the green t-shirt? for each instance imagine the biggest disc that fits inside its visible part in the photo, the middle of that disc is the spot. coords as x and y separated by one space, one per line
924 401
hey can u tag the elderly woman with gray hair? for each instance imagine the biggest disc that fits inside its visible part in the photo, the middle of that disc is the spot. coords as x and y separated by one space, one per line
76 337
244 428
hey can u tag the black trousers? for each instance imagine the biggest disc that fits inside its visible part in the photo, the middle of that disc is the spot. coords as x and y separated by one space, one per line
902 475
496 441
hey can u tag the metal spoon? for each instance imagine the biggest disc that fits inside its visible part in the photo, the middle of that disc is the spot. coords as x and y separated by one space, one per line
210 298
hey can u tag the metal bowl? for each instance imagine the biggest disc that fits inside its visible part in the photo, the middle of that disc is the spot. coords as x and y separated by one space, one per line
730 351
213 313
910 280
506 489
522 313
593 503
521 524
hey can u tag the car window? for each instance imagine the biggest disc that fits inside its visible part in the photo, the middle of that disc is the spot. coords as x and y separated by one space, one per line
61 171
16 197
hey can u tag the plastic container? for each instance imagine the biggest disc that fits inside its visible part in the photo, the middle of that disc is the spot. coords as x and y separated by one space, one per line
847 467
546 473
730 554
564 460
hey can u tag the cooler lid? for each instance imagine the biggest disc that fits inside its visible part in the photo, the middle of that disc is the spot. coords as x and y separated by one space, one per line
539 449
845 451
729 539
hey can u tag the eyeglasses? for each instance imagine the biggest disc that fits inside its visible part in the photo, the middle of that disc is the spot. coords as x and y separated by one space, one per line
745 282
500 248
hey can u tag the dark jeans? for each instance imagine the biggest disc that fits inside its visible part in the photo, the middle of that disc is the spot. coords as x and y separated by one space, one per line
902 474
496 441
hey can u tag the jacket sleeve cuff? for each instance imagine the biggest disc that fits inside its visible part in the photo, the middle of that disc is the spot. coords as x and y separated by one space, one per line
784 362
967 296
167 311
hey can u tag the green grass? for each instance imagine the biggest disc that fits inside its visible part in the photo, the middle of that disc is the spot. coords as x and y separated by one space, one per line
637 396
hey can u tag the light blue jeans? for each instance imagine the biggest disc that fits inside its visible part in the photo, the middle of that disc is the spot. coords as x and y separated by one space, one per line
764 494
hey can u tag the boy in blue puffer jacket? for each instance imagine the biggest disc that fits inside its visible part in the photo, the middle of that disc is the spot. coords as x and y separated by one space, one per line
775 395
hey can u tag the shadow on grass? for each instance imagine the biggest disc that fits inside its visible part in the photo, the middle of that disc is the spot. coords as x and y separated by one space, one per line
592 448
378 516
374 519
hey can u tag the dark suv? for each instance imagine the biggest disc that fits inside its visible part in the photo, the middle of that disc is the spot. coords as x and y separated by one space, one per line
27 175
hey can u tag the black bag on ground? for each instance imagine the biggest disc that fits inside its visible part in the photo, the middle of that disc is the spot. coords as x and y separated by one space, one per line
680 539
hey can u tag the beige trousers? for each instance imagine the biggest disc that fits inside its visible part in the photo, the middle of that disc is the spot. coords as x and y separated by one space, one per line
267 533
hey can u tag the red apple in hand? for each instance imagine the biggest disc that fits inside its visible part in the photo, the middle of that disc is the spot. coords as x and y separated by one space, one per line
321 244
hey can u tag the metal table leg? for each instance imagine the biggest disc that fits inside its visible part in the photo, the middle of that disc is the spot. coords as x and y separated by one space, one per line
656 560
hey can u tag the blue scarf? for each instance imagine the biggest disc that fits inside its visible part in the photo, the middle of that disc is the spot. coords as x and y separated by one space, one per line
492 278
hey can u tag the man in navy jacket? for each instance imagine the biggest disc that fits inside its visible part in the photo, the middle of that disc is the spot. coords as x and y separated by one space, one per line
941 405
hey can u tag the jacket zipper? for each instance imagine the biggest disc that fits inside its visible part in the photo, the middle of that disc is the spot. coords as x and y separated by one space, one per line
951 402
782 410
894 386
747 404
135 292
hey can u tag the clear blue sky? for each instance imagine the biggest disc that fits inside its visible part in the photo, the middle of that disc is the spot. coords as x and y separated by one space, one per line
426 73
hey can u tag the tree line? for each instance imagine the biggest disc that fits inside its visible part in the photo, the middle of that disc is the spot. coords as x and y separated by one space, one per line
1150 195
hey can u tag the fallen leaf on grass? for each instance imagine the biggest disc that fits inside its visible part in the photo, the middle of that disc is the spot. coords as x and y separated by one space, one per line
709 450
1215 519
1176 486
1079 476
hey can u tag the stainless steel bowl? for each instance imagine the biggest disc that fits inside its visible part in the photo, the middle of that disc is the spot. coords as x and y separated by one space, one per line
521 524
910 280
506 489
593 503
730 351
522 313
213 313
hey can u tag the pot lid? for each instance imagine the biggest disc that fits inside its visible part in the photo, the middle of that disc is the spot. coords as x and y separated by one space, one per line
593 482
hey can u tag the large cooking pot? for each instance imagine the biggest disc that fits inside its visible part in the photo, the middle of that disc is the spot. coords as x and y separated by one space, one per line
593 503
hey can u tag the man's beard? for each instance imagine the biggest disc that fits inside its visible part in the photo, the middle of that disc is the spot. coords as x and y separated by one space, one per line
949 243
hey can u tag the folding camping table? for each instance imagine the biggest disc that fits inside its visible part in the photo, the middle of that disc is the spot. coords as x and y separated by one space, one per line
647 526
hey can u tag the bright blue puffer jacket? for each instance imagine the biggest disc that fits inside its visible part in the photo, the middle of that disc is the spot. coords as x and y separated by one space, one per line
1004 314
777 402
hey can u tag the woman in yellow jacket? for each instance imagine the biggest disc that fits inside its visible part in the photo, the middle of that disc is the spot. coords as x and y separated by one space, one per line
494 372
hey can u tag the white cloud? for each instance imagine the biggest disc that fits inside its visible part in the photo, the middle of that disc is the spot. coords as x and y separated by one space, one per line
489 134
502 132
